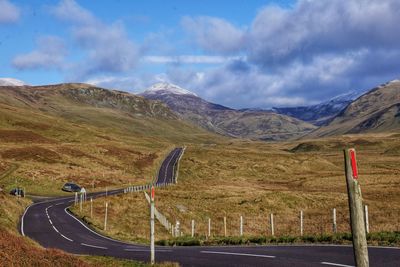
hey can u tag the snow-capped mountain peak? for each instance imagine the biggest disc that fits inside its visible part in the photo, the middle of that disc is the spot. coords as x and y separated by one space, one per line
165 88
11 82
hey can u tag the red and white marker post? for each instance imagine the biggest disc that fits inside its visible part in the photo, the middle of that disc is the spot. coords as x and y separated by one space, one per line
152 250
356 209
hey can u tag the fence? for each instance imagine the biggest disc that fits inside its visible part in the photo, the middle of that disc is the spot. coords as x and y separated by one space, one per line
161 218
303 223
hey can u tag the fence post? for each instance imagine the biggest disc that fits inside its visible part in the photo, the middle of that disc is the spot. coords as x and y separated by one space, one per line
105 217
209 227
301 223
91 207
334 221
152 250
177 229
241 225
192 228
356 209
272 224
366 219
76 198
224 226
80 204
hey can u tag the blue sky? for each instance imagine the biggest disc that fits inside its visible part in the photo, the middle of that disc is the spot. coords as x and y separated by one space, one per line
237 53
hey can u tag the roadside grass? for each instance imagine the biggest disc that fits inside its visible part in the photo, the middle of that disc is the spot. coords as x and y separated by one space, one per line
373 239
111 262
128 217
254 179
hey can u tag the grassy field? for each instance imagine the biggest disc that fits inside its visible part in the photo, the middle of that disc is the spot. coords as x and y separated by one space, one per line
77 133
255 179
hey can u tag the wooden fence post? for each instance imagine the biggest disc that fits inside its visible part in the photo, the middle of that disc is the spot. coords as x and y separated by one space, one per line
209 227
272 224
334 224
366 219
356 209
225 226
91 207
241 225
192 228
301 223
105 217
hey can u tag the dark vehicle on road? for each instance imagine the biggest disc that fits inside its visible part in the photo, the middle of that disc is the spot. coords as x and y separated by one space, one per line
17 192
71 187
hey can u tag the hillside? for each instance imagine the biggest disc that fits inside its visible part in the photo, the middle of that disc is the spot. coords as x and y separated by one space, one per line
251 124
76 132
376 111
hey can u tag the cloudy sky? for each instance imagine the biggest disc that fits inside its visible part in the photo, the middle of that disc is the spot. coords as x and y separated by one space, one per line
238 53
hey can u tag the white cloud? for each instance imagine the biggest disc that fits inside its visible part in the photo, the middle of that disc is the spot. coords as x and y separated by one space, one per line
108 48
308 52
50 54
214 34
313 27
69 10
189 59
9 13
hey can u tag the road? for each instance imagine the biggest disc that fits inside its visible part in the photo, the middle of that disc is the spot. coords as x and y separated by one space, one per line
50 224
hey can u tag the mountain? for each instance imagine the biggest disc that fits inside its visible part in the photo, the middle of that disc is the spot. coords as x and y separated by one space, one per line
11 82
322 113
253 124
376 111
82 104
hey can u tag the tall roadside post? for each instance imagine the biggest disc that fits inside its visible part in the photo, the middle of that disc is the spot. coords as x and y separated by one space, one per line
356 209
152 252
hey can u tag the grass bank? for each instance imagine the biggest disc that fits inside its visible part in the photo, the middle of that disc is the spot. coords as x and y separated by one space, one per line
376 239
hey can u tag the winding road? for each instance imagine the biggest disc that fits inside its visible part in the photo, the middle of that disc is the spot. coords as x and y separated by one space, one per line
51 225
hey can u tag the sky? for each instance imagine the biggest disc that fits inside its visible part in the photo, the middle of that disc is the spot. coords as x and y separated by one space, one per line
238 53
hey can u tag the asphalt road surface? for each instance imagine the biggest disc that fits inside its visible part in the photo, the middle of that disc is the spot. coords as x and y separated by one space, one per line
50 224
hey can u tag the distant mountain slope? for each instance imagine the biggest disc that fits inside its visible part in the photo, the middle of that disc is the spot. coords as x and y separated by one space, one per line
376 111
83 104
253 124
322 113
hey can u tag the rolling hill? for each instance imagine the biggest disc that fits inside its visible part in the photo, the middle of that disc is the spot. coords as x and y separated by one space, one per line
248 123
320 114
376 111
77 132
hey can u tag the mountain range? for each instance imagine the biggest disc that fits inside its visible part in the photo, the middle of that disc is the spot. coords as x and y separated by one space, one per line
251 124
322 113
378 110
354 112
164 108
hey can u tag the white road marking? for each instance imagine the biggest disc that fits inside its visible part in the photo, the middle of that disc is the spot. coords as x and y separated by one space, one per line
336 264
102 236
146 250
237 254
55 229
22 220
50 222
66 237
92 246
59 203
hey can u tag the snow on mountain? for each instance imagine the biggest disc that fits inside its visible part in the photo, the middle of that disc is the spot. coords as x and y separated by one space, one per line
320 114
11 82
166 88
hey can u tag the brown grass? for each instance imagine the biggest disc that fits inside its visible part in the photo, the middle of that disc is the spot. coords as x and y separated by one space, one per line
16 251
255 179
34 153
17 136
